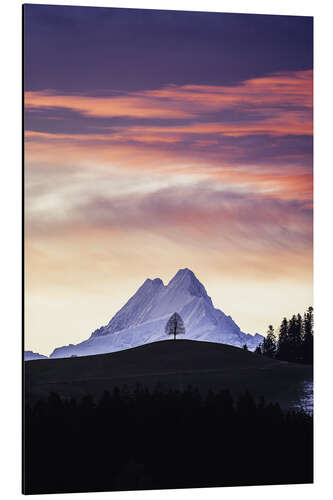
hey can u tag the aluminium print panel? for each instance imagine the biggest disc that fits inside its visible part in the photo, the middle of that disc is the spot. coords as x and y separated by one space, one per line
168 338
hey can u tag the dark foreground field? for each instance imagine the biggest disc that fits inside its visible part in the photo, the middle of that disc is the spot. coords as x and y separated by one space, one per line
87 431
157 440
169 364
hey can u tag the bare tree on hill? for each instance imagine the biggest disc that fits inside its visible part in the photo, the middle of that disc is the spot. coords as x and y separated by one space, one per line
175 326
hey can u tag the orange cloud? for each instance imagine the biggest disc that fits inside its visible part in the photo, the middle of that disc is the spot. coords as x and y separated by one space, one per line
292 87
284 182
131 105
292 183
284 123
271 96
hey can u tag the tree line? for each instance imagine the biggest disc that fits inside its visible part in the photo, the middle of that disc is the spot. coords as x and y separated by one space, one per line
293 342
143 439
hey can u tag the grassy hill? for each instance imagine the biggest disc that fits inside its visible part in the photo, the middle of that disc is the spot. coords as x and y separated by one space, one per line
175 364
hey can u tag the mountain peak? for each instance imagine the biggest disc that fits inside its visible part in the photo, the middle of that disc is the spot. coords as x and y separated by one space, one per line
181 273
185 280
186 270
156 281
28 355
143 318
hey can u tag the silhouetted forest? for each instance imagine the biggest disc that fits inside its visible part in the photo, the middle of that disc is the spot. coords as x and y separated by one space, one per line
294 341
146 440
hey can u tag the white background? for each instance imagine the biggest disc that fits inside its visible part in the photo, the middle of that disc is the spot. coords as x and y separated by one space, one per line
10 247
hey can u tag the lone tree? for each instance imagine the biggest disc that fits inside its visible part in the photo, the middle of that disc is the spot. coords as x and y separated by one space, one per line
175 326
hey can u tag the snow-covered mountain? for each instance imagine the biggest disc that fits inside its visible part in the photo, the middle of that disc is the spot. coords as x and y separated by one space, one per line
28 355
143 318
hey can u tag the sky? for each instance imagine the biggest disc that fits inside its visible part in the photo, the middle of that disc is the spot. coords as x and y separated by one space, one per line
158 140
